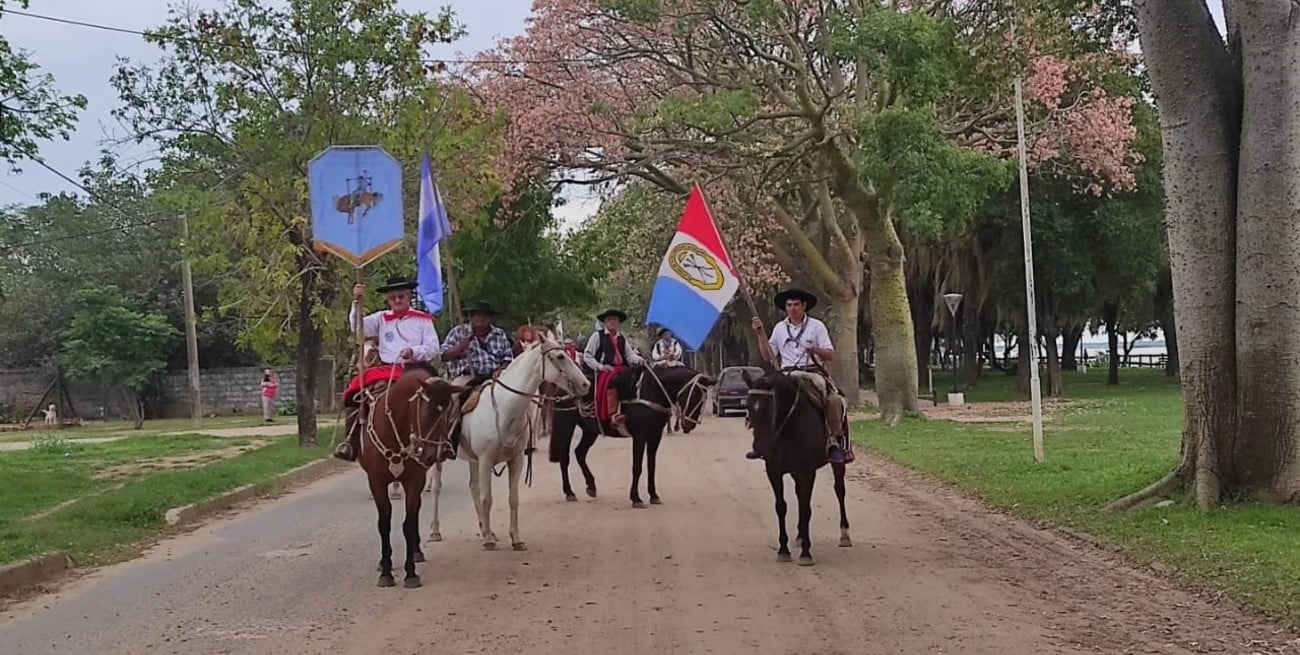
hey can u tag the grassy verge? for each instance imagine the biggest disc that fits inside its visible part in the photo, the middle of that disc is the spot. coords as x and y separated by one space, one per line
100 503
1113 442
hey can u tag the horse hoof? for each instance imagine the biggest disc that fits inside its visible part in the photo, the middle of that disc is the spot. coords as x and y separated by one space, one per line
591 492
656 501
418 557
412 582
845 542
636 504
490 545
387 581
436 536
784 557
519 546
571 498
806 561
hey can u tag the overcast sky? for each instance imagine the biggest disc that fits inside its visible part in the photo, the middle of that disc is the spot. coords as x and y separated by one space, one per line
82 59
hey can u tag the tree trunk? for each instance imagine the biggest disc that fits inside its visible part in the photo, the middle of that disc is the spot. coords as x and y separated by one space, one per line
1196 84
1070 347
308 355
970 352
1110 316
1054 385
135 405
1022 363
1268 260
896 369
1170 329
842 321
922 322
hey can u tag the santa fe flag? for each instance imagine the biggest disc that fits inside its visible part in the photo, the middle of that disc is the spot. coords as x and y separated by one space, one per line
696 279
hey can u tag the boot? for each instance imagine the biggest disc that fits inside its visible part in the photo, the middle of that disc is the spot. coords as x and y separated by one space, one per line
350 447
612 407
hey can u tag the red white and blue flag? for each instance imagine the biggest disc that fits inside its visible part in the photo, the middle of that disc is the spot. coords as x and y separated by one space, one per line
696 279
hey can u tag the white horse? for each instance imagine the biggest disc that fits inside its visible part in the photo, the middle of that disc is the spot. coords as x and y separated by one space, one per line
496 430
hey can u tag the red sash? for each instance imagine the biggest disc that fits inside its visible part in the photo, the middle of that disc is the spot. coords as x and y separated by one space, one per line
381 373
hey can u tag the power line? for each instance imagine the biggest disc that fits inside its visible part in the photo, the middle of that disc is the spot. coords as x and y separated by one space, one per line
283 51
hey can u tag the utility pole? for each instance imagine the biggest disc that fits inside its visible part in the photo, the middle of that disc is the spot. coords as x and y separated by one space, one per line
191 326
1035 389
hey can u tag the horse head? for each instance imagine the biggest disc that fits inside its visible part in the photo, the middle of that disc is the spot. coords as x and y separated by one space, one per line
770 403
684 388
558 369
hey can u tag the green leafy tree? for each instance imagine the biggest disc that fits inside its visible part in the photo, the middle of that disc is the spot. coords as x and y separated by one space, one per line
31 107
112 342
247 95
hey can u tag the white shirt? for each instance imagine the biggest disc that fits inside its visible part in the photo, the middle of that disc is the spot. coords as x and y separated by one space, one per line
671 349
790 342
413 330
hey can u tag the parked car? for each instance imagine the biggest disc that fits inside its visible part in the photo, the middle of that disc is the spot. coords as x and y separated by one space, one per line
730 392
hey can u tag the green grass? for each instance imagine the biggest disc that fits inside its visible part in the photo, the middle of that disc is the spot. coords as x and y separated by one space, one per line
1115 442
112 517
94 429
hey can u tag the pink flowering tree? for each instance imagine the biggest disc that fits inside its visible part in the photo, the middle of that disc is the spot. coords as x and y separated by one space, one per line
831 125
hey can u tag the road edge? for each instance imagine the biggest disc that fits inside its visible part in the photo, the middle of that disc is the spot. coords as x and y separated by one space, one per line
30 574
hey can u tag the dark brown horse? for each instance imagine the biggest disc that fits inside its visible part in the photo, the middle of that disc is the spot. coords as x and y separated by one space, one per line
649 397
404 426
790 432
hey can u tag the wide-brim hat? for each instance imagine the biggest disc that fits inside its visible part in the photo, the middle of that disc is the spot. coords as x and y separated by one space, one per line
480 307
621 315
808 299
397 283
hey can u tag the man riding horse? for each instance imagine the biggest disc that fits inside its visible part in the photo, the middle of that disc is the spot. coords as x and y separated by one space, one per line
407 339
667 350
606 354
477 349
802 343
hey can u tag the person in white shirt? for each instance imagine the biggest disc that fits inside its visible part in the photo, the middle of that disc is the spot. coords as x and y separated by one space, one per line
406 338
667 350
799 344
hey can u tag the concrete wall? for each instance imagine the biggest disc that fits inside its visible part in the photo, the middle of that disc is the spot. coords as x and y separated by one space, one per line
224 391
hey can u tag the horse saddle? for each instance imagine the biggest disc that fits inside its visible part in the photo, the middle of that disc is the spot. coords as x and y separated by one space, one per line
809 390
471 401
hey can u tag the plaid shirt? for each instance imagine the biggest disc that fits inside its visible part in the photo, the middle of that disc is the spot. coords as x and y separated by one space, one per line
484 356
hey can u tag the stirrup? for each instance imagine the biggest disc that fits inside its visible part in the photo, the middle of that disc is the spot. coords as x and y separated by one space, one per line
344 452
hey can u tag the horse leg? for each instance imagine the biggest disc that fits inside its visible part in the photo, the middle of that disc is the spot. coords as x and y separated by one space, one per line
778 491
564 479
485 499
411 484
638 452
838 470
516 467
584 445
652 450
379 491
474 493
803 489
435 530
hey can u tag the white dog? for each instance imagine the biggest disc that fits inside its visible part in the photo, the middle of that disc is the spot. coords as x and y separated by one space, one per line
51 415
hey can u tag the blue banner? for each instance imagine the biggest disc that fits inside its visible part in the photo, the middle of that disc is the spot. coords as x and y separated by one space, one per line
356 202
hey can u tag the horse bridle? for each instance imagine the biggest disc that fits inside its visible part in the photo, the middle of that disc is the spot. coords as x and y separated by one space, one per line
794 404
674 401
538 398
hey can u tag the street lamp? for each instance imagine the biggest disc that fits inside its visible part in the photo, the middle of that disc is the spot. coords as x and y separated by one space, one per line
953 300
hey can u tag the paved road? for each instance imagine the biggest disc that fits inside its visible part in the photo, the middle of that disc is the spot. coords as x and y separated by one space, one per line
930 572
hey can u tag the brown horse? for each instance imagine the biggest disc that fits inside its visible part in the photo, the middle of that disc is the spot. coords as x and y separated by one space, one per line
650 397
405 425
790 432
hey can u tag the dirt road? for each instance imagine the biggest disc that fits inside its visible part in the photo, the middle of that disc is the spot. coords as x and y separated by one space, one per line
931 572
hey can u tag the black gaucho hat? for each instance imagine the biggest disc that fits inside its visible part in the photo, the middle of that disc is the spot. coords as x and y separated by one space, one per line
619 314
808 299
480 307
397 283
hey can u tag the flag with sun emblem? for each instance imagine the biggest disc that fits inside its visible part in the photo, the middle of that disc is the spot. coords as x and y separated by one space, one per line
696 279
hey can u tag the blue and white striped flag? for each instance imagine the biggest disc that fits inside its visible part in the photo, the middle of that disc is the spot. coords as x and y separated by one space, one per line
433 228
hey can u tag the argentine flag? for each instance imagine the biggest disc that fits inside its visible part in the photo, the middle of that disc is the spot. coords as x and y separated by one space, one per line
696 279
434 227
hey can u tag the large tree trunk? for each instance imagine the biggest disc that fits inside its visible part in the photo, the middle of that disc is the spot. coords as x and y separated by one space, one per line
1070 339
1110 316
1268 259
896 369
842 321
308 355
1054 385
922 321
1195 81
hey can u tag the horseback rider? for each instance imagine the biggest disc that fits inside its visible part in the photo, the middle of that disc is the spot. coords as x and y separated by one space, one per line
802 342
667 350
406 339
476 350
607 353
